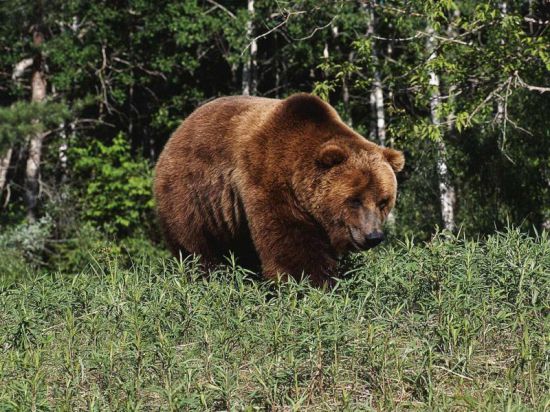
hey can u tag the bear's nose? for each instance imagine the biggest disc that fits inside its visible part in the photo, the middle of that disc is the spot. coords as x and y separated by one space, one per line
373 239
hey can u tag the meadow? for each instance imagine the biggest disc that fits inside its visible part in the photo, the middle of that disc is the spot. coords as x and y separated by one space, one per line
449 324
95 315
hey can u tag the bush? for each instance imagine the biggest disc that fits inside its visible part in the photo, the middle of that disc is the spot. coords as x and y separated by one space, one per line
22 249
114 189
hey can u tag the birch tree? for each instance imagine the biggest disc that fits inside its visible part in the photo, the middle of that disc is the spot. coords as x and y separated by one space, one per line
446 188
249 66
377 93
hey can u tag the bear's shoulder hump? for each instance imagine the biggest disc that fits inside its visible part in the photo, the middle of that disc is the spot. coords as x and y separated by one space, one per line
304 106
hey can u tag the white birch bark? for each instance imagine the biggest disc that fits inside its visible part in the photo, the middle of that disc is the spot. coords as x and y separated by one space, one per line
249 67
377 97
377 90
345 98
500 102
326 54
372 125
446 189
66 133
379 104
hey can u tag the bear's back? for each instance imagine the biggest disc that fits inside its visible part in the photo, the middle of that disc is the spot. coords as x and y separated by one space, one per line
194 177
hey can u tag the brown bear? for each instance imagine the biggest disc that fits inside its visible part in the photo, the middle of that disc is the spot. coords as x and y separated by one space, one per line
285 181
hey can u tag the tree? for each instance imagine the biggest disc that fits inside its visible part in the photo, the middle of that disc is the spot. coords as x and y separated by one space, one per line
461 86
249 66
446 188
38 95
377 93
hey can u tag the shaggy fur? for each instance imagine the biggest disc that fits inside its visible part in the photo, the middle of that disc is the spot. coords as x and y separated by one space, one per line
282 181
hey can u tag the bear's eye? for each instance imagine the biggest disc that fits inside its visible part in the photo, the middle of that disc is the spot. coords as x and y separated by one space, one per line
355 202
383 203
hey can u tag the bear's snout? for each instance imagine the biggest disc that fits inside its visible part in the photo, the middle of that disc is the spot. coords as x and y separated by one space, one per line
362 241
373 239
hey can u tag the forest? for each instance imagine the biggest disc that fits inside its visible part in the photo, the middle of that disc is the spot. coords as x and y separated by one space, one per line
90 91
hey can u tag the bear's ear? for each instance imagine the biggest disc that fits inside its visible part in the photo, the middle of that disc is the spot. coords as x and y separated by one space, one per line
395 158
331 154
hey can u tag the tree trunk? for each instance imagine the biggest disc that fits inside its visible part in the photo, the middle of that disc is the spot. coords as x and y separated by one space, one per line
446 189
378 127
277 69
32 171
67 131
546 221
345 94
4 166
250 81
500 115
451 32
372 122
379 104
377 88
345 98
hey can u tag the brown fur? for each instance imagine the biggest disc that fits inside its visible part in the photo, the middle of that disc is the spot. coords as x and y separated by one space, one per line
285 181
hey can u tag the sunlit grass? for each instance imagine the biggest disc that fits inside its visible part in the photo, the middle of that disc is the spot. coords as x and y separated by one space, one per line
452 324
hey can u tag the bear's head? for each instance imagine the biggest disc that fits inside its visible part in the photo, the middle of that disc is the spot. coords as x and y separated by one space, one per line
355 190
347 184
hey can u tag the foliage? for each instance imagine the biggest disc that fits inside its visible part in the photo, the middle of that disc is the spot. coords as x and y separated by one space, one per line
486 57
28 238
23 248
116 193
22 119
138 68
452 324
87 245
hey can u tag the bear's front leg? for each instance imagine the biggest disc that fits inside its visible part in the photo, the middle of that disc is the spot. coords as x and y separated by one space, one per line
291 248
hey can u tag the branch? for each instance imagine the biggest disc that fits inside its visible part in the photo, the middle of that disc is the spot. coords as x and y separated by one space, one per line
100 74
267 33
140 67
400 11
539 21
8 195
448 39
219 6
289 14
419 34
20 68
397 39
488 98
539 89
77 122
316 29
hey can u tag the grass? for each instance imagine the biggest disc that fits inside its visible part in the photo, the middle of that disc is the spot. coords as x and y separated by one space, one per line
448 325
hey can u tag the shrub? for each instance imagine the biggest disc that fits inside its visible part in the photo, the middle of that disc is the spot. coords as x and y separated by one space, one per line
115 190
